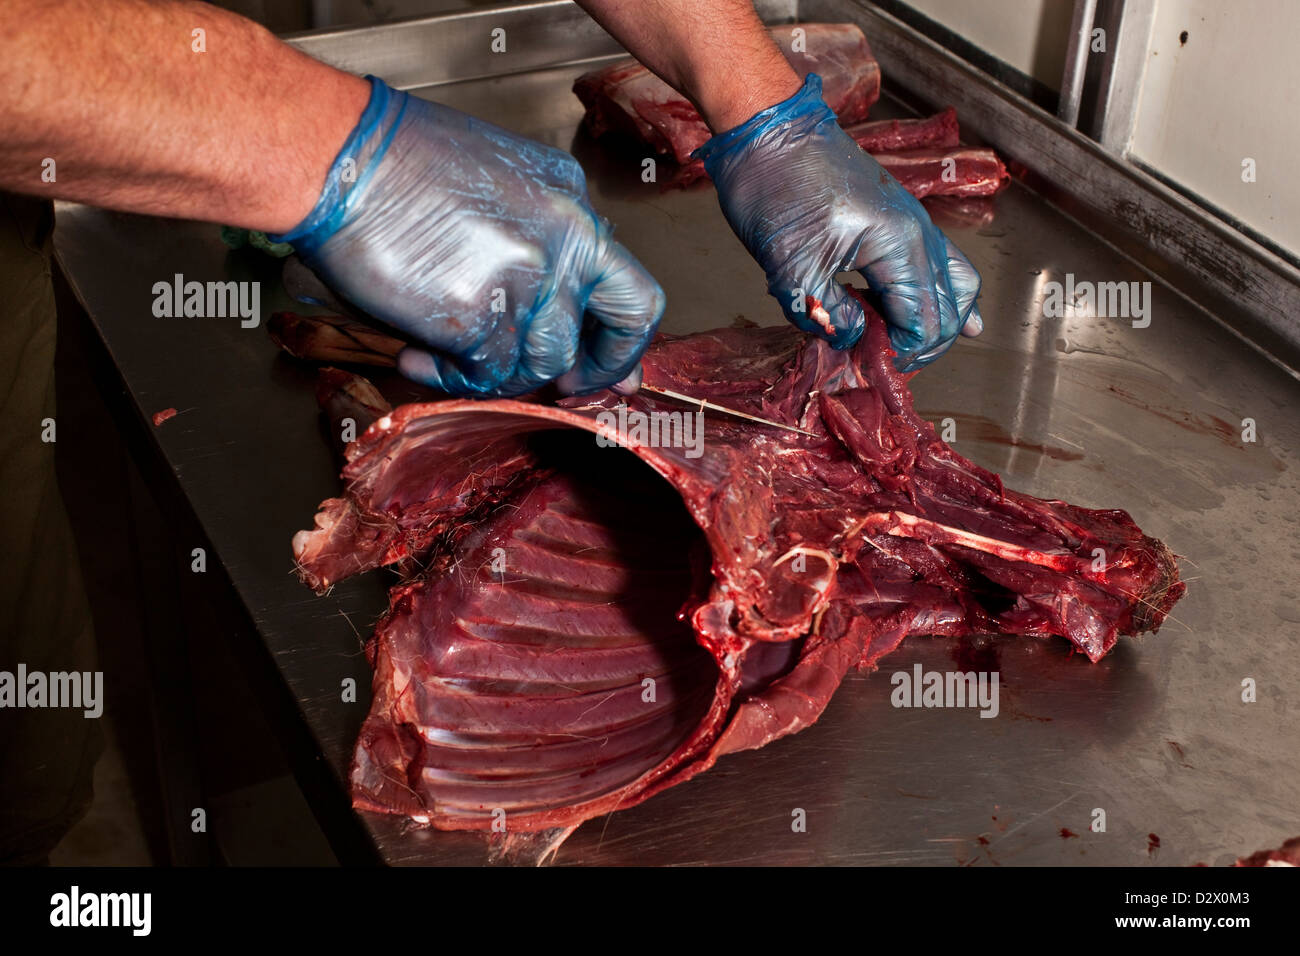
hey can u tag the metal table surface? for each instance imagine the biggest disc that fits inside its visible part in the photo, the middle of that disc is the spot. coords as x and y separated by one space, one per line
1086 409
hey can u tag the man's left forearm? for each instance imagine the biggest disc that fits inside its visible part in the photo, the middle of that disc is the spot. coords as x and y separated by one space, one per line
718 55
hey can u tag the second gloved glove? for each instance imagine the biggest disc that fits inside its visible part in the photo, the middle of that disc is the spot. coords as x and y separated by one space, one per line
808 202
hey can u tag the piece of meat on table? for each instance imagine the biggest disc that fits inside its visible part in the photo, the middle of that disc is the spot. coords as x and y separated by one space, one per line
939 131
923 153
595 624
627 98
964 171
961 171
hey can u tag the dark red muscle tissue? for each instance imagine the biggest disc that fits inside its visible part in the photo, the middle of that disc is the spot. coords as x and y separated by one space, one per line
592 625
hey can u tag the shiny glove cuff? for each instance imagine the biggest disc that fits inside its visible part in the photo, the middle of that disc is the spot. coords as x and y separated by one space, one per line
351 170
805 109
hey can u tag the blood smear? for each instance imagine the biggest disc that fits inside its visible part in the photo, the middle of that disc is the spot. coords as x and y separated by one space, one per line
819 313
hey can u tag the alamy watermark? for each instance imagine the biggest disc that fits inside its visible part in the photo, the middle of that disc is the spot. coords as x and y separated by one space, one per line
76 908
1105 300
77 689
919 688
208 300
631 427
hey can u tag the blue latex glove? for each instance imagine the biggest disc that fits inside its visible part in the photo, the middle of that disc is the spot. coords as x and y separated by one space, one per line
808 202
483 246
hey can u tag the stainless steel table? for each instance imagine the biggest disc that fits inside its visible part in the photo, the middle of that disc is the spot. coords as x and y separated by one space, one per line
1083 408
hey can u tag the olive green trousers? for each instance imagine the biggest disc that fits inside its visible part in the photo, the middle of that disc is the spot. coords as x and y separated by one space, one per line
47 755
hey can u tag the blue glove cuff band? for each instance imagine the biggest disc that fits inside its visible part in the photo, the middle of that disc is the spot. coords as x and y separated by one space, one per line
360 155
807 102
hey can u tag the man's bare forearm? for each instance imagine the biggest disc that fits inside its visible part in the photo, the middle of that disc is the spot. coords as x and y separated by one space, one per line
135 118
717 54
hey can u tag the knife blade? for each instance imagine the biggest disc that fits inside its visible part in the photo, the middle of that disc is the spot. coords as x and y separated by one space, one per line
705 403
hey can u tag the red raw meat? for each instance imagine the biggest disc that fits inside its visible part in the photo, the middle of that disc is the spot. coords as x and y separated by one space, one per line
889 136
586 633
939 131
961 171
1288 854
628 98
965 171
